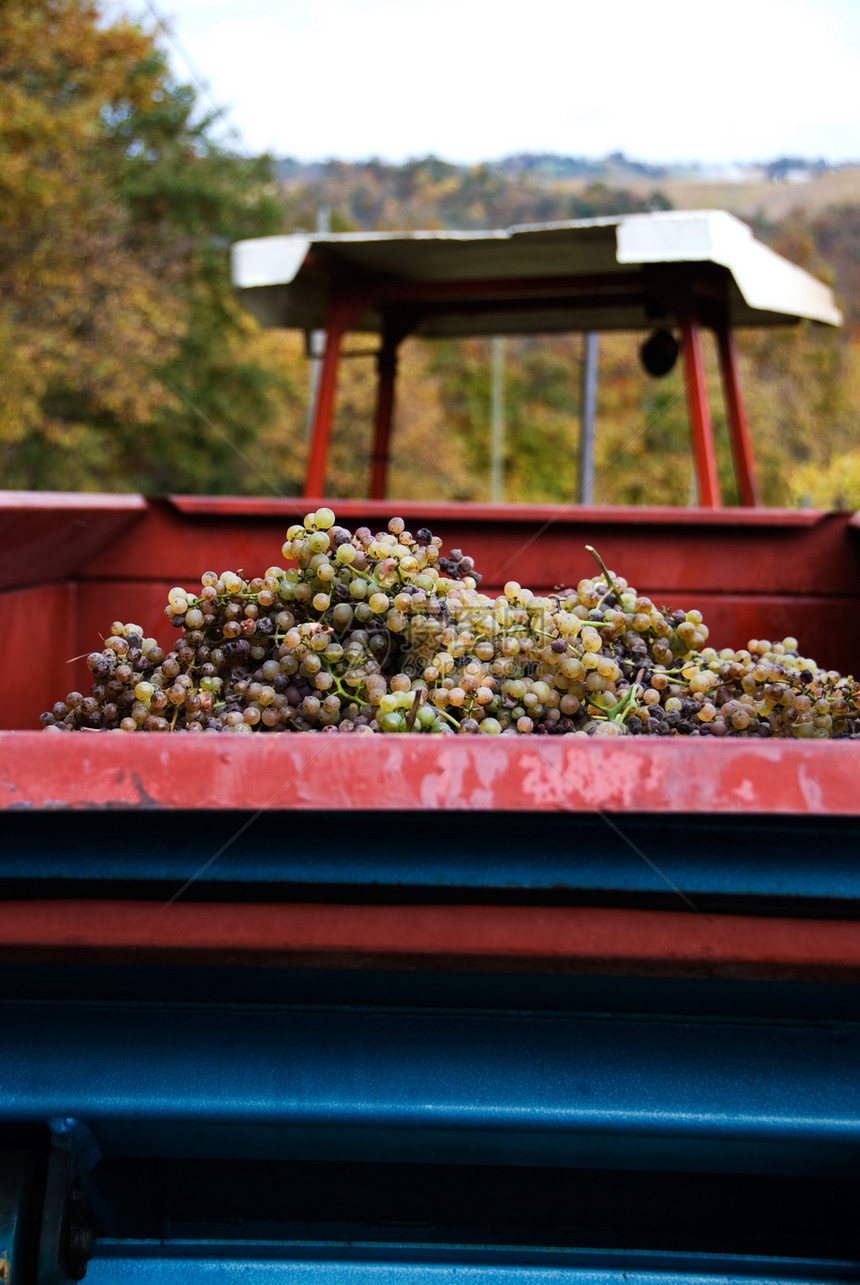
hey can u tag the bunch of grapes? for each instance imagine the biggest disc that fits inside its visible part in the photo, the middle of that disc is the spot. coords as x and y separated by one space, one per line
366 633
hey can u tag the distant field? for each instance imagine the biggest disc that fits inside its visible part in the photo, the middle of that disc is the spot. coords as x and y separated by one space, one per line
775 200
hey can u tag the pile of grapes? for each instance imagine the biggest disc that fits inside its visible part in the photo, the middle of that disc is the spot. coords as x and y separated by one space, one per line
373 633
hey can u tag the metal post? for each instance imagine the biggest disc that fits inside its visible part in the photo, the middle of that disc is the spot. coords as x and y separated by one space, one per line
588 415
704 453
316 347
497 420
742 451
338 323
386 364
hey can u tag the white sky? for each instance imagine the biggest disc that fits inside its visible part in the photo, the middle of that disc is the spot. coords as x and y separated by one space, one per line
716 81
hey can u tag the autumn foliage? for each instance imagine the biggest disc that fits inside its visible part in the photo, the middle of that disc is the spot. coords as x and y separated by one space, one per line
128 362
115 212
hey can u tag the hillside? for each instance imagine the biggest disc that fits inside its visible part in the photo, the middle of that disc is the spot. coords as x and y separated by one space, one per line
429 193
375 195
756 196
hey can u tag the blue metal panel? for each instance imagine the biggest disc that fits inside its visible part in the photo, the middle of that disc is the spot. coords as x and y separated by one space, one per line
128 1263
717 858
548 1090
378 988
16 1186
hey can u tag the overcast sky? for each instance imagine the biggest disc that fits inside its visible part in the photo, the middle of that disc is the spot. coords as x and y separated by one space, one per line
717 81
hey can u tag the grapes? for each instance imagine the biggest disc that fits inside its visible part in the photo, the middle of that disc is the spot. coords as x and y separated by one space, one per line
383 634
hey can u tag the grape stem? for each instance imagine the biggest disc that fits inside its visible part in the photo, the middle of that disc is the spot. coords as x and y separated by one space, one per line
618 712
416 705
441 713
597 558
348 696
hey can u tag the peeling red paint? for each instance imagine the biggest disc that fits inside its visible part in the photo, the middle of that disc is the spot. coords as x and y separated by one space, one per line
386 773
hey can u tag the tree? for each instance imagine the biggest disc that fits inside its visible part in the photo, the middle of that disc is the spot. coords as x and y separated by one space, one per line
116 213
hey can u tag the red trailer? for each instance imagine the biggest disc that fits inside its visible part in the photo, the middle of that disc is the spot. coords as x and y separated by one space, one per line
82 561
365 1009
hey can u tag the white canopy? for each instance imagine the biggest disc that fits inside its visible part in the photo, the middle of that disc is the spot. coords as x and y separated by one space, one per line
619 273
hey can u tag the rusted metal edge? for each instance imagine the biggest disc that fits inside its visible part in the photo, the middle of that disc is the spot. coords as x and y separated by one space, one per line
475 938
44 770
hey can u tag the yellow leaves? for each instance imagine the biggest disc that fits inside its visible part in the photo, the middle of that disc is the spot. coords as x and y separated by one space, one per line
830 476
21 388
835 486
60 70
803 401
428 457
279 448
84 317
429 460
